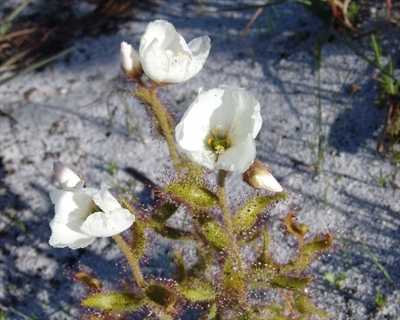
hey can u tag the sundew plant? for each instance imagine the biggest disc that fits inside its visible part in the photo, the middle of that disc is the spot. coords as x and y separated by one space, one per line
212 144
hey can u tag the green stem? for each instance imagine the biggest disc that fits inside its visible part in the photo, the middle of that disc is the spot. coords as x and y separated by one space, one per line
163 117
132 260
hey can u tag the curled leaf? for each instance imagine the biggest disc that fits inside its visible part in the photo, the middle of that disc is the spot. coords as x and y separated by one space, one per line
160 294
89 280
296 229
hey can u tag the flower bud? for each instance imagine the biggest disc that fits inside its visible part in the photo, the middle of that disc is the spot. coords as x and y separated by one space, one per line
130 61
259 176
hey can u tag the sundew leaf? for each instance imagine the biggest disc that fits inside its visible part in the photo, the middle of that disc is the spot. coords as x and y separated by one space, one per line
246 217
215 235
290 282
196 290
308 251
113 301
193 194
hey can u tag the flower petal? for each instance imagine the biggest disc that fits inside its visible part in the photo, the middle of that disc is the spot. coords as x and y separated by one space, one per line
246 113
106 201
155 62
194 126
62 236
107 224
163 32
200 49
239 157
71 207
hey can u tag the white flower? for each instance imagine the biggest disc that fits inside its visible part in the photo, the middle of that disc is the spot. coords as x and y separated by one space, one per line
259 176
218 129
167 58
83 214
130 60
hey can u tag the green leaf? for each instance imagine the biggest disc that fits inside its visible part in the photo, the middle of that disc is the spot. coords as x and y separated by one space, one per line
196 290
113 301
215 235
247 216
193 194
289 282
212 312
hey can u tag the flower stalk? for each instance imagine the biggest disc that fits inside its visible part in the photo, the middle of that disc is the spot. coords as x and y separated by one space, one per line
132 260
164 119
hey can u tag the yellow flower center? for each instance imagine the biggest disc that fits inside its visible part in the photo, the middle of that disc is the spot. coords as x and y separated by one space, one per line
218 142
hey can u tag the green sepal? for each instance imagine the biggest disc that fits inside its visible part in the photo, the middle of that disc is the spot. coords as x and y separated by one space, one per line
305 306
215 235
113 301
247 216
196 290
193 194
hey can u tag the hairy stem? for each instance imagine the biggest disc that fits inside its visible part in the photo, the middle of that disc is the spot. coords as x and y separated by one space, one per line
228 222
132 260
163 117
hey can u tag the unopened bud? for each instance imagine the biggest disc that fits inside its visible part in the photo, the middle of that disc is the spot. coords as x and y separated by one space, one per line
130 61
259 176
65 178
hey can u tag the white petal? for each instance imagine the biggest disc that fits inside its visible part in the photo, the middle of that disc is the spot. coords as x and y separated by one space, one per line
62 236
238 157
268 182
65 178
162 32
106 201
194 126
246 113
155 62
107 224
165 55
71 207
200 49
